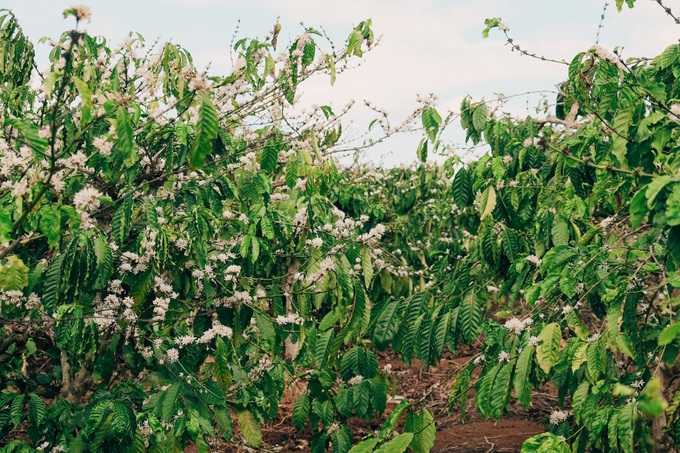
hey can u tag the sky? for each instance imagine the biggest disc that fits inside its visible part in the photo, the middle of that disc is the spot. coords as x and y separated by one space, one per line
426 46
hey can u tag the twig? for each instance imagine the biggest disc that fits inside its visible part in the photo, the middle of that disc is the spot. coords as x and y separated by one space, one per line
668 11
490 443
516 47
599 27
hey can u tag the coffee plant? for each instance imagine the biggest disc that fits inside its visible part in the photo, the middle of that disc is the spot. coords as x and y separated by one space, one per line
172 261
179 251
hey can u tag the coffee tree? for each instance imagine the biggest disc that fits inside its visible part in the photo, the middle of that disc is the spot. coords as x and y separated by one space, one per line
171 260
557 252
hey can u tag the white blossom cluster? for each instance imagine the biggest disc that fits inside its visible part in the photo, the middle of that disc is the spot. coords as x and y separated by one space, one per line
258 370
559 416
533 259
136 263
373 236
355 380
518 326
605 54
114 306
14 298
292 318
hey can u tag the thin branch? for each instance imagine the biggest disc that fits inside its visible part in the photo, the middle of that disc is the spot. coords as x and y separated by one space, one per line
599 27
516 47
668 11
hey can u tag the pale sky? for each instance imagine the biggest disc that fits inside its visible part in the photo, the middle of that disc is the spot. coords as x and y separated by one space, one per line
427 46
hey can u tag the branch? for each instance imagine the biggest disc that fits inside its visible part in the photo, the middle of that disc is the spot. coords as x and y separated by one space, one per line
668 11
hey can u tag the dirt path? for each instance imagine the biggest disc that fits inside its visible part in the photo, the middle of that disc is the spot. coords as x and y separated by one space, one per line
433 387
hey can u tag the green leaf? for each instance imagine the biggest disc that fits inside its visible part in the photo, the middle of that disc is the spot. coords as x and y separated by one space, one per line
291 173
548 349
579 398
16 410
323 346
484 386
673 206
221 368
490 23
85 100
393 419
397 445
125 134
500 391
270 156
13 274
421 424
638 208
267 228
224 422
387 323
595 363
171 402
249 428
545 443
365 446
431 122
654 188
5 226
122 221
331 67
479 116
488 202
669 334
560 231
367 266
29 133
460 188
470 316
521 380
37 411
255 249
301 410
207 128
626 428
50 224
421 151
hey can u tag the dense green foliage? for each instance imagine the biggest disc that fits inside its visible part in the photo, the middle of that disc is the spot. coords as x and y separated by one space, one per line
178 251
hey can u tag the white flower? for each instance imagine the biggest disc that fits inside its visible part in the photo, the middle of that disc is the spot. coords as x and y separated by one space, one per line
606 223
172 355
514 325
533 259
558 417
82 12
355 380
185 340
638 384
316 242
292 318
674 112
533 341
503 356
87 200
333 428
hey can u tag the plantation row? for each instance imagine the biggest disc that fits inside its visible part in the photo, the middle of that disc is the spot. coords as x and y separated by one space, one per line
179 250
